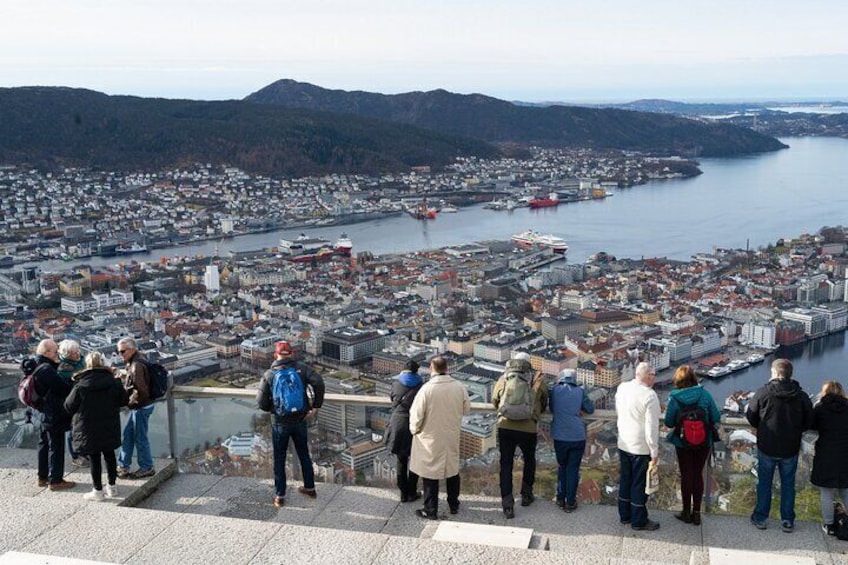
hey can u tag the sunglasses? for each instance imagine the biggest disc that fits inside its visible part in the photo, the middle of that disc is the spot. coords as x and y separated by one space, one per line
122 351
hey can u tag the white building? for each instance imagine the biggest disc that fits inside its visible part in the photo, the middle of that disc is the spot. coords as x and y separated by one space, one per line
212 279
96 301
759 334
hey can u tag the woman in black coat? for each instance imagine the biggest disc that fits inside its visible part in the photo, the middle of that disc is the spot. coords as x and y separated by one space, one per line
95 404
830 463
398 436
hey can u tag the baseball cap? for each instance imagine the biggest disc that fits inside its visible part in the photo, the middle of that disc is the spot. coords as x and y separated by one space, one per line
283 348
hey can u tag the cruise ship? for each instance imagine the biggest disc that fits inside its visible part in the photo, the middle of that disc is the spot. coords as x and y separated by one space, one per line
302 244
529 238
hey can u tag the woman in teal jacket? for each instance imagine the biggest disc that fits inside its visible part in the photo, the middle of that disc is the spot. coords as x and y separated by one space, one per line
690 458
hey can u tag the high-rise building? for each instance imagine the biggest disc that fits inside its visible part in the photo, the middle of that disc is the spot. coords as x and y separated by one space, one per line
212 280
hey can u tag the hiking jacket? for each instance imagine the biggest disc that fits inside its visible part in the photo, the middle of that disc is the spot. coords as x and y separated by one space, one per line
830 462
690 395
68 368
404 388
567 400
540 397
265 394
95 406
780 411
53 389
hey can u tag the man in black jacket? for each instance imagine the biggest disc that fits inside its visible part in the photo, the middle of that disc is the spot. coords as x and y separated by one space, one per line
290 422
51 444
780 411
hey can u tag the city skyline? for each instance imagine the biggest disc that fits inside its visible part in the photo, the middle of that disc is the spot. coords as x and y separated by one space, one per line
533 51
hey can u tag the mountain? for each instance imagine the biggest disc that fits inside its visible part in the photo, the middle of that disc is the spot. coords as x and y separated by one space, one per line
502 122
47 126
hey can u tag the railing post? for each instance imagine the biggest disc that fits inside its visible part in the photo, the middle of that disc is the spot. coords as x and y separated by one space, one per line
172 416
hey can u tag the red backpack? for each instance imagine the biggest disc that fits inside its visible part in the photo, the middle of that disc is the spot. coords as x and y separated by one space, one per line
692 425
27 390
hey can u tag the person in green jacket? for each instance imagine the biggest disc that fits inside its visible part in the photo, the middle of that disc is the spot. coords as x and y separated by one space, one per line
71 363
690 458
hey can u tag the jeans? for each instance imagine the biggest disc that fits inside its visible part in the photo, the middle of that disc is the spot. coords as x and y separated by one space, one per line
135 438
691 464
828 495
786 466
568 455
71 451
431 493
631 488
51 455
508 440
280 434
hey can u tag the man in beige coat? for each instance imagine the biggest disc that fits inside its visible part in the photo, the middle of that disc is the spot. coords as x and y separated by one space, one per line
435 420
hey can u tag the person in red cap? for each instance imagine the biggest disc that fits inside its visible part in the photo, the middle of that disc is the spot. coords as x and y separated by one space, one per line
283 392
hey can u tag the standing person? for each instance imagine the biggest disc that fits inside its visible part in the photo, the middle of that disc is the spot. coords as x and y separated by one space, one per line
283 391
137 383
398 438
95 406
51 443
520 396
71 363
638 410
830 462
690 398
780 411
435 420
568 401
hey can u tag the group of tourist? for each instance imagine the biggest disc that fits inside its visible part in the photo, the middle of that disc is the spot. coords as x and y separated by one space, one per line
81 399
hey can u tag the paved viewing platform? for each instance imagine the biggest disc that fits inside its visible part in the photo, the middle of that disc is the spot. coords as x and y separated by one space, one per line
182 518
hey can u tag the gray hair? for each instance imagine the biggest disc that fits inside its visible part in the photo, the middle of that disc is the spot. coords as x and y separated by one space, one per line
643 370
129 342
94 359
68 347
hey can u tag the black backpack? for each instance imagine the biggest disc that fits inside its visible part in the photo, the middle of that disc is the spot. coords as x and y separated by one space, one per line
158 380
693 425
840 521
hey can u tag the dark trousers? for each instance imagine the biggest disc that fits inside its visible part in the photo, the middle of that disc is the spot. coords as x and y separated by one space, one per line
508 440
631 488
431 493
51 455
407 481
691 463
280 435
97 468
569 454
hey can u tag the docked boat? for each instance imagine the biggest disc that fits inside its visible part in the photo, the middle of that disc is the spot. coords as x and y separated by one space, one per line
302 244
755 358
738 365
134 247
550 201
343 245
449 209
530 238
718 371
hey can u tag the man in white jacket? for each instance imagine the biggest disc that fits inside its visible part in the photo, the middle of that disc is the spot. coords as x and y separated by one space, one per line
638 411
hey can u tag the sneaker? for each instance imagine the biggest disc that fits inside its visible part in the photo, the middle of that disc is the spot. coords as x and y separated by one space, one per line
569 508
95 495
509 512
787 526
422 513
62 485
80 462
560 503
143 474
111 491
527 499
829 529
310 492
43 483
648 526
124 473
279 501
758 525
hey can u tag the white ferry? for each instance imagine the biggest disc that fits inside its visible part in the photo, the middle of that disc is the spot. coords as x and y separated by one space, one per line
302 244
529 238
755 358
738 365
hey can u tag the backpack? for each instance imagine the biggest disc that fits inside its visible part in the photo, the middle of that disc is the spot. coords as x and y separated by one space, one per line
288 392
692 425
840 521
517 400
27 391
158 380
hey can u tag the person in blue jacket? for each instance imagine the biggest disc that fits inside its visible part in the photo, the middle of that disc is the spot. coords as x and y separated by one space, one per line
690 459
567 401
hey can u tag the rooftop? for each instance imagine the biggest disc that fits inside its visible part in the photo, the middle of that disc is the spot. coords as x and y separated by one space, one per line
203 518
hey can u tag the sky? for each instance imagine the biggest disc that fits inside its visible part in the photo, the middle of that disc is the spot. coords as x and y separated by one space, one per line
529 50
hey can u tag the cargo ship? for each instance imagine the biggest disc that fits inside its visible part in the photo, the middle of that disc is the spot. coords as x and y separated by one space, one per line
550 201
529 238
343 245
128 248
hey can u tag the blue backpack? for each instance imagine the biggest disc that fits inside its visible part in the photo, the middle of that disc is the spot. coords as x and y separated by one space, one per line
288 392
